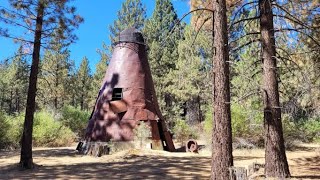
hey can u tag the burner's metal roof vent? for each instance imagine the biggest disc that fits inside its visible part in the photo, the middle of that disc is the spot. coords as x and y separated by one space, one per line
130 35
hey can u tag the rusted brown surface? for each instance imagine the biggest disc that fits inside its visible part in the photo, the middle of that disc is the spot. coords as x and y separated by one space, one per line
127 96
192 146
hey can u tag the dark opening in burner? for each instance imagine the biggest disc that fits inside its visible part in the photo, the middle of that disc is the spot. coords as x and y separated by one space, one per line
116 94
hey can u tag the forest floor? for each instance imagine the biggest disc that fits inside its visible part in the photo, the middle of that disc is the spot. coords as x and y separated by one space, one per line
66 163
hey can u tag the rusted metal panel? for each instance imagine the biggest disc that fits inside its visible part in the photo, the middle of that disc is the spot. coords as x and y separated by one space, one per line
127 95
192 146
118 106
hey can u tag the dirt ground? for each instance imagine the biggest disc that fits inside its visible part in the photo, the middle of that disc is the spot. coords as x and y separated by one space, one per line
65 163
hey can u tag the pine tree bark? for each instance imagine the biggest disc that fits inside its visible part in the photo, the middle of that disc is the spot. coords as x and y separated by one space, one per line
276 164
26 140
82 102
55 100
193 111
11 110
222 158
17 95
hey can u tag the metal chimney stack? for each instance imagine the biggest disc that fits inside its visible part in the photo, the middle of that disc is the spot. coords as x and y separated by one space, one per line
127 97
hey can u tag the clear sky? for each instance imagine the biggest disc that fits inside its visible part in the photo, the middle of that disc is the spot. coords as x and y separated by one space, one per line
98 15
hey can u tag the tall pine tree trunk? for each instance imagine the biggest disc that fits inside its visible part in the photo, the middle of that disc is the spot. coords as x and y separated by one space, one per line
276 164
55 100
2 99
193 111
82 102
11 103
26 140
222 136
17 96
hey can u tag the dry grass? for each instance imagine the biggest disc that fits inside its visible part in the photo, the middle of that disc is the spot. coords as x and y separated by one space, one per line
65 163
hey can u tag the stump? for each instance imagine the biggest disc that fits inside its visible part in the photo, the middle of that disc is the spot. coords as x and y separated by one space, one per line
238 173
96 149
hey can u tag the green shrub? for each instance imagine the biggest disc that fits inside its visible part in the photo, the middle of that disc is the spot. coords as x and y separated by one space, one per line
16 129
312 129
4 126
244 123
75 119
10 130
49 132
290 128
46 131
141 135
240 122
182 131
305 130
208 124
206 134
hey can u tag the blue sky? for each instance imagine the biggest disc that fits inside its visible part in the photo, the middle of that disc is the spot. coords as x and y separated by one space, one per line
98 15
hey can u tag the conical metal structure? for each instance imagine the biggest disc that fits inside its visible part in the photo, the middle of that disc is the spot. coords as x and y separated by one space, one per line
127 97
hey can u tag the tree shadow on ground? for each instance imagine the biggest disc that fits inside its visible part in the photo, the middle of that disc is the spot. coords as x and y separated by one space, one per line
142 166
241 158
300 148
128 167
48 152
131 167
56 152
4 154
309 161
306 177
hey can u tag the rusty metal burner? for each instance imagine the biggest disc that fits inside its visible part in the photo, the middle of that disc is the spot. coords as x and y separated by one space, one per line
127 96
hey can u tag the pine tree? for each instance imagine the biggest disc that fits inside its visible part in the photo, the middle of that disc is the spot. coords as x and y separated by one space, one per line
19 70
13 83
54 70
83 86
276 61
276 160
312 69
189 81
99 74
53 78
39 18
132 14
71 85
222 158
161 23
163 53
4 85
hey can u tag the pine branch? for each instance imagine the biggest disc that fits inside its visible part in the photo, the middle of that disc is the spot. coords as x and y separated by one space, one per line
247 34
198 31
245 19
17 55
8 21
15 38
16 13
291 17
244 45
239 1
238 11
288 29
297 30
288 58
257 91
285 63
185 15
198 17
295 21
